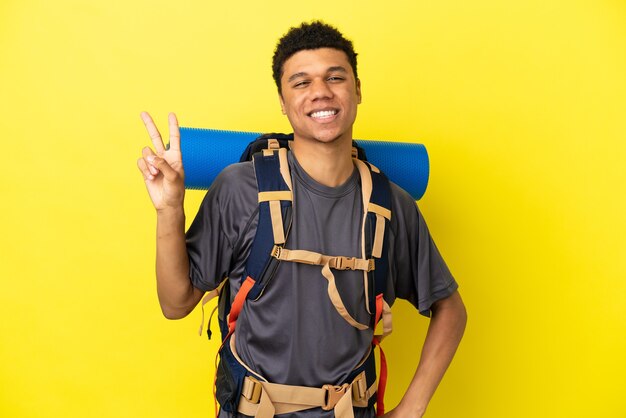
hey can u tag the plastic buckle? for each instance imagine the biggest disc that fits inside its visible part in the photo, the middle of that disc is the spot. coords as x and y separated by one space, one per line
333 395
255 392
276 251
359 389
347 263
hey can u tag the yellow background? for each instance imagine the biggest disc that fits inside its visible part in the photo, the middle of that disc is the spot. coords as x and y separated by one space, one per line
521 104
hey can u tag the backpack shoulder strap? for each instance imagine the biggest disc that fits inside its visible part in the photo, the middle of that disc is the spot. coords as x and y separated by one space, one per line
376 191
274 221
275 202
379 214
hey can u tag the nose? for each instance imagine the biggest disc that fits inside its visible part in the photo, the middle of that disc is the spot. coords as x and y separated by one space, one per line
320 89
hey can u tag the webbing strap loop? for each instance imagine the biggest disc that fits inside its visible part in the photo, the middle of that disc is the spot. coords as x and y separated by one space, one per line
209 296
335 298
373 207
276 216
383 311
328 262
273 144
278 195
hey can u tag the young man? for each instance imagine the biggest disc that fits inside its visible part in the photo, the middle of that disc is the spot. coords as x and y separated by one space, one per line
294 335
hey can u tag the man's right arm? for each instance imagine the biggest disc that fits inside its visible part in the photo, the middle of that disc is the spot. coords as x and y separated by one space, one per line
177 296
164 177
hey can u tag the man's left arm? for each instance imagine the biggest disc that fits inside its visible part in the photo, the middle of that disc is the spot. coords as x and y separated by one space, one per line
444 334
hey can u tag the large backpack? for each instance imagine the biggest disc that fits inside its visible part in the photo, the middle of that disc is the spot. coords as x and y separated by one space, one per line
240 389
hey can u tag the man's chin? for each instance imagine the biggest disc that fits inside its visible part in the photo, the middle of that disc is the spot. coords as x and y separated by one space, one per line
327 137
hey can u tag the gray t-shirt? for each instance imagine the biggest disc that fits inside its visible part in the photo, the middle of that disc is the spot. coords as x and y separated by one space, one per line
293 334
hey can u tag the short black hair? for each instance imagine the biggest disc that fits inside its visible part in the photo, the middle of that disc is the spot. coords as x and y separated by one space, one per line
314 35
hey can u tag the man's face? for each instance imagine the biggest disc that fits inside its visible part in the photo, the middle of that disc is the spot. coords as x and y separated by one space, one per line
320 95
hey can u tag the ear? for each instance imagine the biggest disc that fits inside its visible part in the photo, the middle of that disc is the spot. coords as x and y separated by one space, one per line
358 90
282 103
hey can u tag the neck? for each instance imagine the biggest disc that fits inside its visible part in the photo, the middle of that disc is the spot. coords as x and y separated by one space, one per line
328 163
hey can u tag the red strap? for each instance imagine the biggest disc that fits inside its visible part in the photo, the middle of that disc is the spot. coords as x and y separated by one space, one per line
240 298
379 308
382 375
235 308
217 411
382 381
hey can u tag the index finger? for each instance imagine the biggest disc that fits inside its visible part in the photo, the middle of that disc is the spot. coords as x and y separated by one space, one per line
153 131
174 132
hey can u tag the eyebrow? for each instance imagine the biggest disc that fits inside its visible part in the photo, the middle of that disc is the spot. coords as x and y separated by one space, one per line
337 68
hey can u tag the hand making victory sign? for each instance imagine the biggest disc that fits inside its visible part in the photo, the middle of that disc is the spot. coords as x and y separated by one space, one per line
163 172
164 176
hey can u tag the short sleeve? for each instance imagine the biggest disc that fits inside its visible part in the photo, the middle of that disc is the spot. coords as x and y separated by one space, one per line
214 233
418 272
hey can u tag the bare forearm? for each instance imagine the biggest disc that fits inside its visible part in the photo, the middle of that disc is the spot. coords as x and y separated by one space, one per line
175 291
444 335
163 174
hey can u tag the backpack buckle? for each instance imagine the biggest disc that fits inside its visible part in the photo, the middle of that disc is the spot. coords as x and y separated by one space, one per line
346 263
276 251
333 395
251 390
359 388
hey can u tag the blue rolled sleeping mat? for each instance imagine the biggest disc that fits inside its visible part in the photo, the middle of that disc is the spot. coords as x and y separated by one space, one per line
206 152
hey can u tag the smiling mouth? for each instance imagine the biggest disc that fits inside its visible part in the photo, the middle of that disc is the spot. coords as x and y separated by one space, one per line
323 114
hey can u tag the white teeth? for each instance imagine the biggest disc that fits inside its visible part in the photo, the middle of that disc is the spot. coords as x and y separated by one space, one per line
323 114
